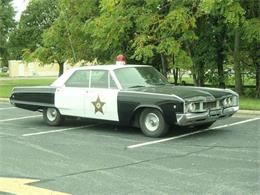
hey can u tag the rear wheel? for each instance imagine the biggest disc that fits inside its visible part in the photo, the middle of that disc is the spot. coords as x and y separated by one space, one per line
152 123
52 116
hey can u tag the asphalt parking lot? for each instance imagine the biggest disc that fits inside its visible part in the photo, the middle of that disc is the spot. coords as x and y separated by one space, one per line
85 158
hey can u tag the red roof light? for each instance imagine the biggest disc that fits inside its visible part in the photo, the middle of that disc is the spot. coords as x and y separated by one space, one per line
120 60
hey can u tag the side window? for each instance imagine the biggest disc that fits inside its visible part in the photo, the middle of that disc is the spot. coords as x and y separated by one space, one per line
99 79
112 84
79 78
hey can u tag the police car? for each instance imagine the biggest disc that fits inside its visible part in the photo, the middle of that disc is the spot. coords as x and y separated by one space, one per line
133 95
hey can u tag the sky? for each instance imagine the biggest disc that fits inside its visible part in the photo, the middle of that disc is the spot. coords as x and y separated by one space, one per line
19 7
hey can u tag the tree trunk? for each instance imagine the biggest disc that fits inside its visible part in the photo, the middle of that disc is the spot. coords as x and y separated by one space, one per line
220 60
194 71
176 75
237 68
200 78
61 68
195 79
221 77
164 68
257 80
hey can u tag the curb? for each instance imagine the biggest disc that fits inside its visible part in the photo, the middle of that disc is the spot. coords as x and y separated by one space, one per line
4 99
256 112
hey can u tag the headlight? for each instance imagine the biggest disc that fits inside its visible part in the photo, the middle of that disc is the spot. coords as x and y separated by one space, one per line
191 107
227 102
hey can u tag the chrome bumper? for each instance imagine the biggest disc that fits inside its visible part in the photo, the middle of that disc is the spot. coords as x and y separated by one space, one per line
209 116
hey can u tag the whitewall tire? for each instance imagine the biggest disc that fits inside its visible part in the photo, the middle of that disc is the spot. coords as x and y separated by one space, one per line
152 123
52 116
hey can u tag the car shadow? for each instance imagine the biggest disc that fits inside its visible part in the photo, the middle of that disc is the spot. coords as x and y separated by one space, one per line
101 127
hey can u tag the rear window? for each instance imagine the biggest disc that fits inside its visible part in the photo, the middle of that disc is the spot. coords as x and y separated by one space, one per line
79 78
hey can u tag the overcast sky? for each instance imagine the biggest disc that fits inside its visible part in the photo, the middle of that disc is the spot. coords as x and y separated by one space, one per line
19 7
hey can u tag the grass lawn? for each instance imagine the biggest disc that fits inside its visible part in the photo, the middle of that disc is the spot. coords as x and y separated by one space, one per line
7 85
247 103
3 74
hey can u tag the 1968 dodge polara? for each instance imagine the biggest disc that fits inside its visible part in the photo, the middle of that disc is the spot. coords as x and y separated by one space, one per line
134 95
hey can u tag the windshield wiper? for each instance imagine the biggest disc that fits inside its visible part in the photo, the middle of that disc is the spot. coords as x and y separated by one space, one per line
136 86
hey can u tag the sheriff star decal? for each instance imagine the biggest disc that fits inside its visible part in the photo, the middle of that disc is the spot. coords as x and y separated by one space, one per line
98 105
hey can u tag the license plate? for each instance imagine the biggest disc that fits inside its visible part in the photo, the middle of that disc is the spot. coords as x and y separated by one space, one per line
214 112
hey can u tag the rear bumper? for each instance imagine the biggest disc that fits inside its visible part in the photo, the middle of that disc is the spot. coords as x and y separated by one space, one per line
205 117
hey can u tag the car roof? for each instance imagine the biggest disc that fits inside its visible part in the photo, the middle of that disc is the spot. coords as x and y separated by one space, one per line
60 81
108 67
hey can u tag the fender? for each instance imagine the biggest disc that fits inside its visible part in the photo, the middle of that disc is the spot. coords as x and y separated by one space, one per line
129 106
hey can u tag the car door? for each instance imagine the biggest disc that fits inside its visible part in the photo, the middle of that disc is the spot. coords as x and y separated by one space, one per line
70 98
101 98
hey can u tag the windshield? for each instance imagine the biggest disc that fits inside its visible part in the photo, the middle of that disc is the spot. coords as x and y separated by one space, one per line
132 77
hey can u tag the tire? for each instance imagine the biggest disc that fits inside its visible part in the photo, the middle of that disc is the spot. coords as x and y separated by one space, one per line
152 123
52 116
205 125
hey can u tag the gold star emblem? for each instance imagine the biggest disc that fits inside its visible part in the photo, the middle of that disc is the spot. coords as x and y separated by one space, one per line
98 105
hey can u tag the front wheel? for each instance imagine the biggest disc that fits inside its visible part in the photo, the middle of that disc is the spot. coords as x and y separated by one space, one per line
52 116
152 123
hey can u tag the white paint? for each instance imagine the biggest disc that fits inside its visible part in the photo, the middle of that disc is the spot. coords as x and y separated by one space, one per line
57 130
109 97
77 101
70 100
9 108
20 118
188 134
39 148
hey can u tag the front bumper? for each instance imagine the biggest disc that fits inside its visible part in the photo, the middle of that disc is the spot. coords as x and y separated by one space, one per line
205 117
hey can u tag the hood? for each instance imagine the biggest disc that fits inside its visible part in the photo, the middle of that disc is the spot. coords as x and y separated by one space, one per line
186 92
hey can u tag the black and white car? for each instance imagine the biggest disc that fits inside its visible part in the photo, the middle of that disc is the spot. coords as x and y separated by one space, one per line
133 95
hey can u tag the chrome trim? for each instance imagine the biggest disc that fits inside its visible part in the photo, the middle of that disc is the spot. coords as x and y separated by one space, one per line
200 118
12 101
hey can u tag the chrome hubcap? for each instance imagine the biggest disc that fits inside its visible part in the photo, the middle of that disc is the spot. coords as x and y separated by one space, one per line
152 121
52 114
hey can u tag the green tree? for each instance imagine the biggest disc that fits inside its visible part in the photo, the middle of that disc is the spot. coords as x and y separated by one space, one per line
226 17
66 38
152 32
203 51
38 16
250 38
199 35
113 29
7 24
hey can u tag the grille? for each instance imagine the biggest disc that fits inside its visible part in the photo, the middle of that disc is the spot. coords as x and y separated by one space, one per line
209 105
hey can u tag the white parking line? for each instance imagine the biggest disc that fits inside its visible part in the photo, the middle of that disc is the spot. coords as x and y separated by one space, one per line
8 108
57 130
188 134
20 118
